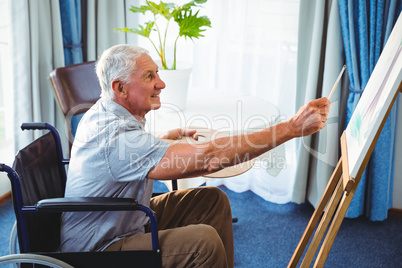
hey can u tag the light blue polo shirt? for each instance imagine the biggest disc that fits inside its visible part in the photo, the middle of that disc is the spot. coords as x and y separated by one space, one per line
111 157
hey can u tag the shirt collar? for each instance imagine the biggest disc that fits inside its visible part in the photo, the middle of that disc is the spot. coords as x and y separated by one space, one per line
120 111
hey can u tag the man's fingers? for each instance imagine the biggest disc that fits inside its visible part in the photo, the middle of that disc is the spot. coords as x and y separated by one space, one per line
323 102
324 118
188 132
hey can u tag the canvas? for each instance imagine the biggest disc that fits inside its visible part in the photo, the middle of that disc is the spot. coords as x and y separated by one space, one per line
375 100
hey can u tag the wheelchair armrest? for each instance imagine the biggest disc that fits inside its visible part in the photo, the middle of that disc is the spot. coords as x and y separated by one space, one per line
86 204
72 204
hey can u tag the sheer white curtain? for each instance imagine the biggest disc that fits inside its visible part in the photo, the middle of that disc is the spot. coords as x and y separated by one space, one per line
37 49
251 49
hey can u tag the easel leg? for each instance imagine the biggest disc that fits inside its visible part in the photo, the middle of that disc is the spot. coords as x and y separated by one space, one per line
322 227
334 228
316 215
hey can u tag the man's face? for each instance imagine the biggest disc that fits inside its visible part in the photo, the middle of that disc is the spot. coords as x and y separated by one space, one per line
144 88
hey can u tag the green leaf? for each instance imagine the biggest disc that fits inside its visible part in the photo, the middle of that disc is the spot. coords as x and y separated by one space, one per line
144 31
190 25
193 3
187 7
163 9
141 9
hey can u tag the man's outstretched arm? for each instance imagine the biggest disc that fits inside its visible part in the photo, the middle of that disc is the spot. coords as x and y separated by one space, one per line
189 160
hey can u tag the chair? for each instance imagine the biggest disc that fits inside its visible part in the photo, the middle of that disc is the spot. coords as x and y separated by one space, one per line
38 182
76 89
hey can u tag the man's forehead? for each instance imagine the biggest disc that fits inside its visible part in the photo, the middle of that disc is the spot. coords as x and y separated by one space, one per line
146 64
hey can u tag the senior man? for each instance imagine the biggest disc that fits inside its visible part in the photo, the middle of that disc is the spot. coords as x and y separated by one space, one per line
114 156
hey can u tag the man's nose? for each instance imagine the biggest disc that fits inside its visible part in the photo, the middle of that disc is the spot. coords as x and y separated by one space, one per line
159 83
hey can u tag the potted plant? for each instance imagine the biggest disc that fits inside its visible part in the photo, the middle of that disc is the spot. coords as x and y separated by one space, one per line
190 24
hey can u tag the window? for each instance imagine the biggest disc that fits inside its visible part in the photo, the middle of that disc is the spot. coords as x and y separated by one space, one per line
6 98
5 81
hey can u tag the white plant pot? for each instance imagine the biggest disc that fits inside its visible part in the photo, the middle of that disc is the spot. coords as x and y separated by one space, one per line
174 95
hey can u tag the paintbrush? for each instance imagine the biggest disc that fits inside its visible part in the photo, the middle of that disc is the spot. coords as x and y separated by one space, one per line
337 81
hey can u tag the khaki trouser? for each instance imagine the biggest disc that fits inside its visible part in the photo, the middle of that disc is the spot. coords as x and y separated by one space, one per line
195 229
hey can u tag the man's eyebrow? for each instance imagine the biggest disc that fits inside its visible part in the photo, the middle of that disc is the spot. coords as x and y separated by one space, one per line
147 72
150 71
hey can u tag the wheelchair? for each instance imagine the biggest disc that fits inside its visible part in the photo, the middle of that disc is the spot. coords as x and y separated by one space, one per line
38 179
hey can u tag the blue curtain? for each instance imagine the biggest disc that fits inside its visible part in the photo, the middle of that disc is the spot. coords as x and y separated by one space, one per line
70 11
366 26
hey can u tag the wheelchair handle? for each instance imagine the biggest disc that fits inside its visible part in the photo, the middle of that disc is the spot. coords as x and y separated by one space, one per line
43 125
7 169
33 126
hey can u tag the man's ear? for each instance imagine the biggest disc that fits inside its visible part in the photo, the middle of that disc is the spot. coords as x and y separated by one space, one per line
118 88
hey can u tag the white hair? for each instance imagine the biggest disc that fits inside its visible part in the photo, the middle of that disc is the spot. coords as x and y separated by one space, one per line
117 62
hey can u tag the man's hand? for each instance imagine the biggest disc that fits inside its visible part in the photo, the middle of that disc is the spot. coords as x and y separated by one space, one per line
178 133
310 118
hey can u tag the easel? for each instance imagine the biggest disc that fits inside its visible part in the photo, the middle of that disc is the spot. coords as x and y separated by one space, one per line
336 198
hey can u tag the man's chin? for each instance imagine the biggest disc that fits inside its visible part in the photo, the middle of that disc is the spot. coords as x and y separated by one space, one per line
156 106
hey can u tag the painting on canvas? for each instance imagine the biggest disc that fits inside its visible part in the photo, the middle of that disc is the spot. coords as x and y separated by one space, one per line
375 100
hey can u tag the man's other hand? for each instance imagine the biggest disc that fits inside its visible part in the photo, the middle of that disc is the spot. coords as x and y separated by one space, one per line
178 133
